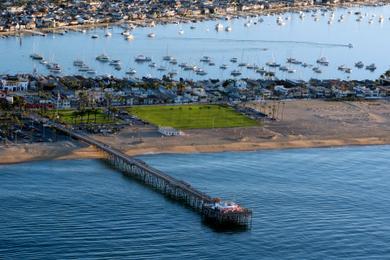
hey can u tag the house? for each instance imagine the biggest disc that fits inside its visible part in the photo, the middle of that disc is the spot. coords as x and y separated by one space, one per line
13 84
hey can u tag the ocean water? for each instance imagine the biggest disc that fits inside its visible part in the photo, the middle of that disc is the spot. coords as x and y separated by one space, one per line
328 203
303 39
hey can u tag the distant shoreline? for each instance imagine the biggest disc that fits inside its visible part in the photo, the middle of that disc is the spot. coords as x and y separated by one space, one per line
54 151
204 17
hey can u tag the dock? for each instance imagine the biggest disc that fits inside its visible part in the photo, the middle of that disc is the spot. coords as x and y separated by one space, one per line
212 210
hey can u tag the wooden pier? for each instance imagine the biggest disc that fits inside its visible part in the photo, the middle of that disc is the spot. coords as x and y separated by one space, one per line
167 185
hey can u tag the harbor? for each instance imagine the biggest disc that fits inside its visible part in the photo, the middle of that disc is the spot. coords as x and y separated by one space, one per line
292 45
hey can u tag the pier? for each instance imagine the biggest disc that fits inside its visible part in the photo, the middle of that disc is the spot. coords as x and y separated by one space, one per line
213 210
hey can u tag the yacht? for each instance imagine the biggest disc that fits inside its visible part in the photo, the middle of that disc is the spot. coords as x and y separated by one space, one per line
371 67
142 58
323 61
103 58
235 73
359 64
55 68
131 72
36 56
151 35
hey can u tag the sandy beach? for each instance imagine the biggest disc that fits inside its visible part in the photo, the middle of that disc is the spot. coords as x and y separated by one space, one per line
305 123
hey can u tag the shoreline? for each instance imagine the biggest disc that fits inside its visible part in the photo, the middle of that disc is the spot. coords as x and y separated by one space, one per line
202 17
73 151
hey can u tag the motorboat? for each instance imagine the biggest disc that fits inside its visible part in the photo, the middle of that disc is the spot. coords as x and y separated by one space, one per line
233 60
151 35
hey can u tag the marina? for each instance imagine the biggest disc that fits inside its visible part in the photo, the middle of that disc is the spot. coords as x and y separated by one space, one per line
305 46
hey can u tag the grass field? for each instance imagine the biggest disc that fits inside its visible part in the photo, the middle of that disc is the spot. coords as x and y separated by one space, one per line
68 117
192 116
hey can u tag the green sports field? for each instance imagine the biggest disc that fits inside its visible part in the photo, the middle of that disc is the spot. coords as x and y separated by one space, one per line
72 117
192 116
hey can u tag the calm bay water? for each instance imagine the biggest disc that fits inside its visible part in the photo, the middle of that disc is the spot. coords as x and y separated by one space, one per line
308 204
303 39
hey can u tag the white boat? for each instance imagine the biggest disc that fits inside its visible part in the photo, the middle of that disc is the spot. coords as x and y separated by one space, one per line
83 68
151 35
125 33
190 67
117 67
103 58
131 72
219 27
43 62
235 73
201 72
129 37
153 65
173 61
108 34
161 68
142 58
228 28
181 32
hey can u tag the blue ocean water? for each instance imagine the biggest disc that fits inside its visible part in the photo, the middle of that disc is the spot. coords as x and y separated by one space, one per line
330 203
